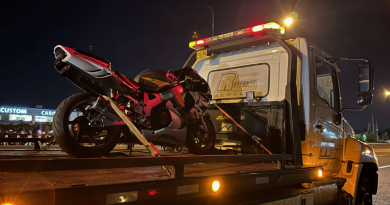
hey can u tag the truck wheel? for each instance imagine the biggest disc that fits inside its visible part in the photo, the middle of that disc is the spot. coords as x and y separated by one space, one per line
200 141
75 136
364 192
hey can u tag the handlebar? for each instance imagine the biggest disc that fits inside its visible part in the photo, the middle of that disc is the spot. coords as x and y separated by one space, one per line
189 83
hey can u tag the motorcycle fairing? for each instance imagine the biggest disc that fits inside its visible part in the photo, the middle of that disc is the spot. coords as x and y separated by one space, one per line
160 97
174 134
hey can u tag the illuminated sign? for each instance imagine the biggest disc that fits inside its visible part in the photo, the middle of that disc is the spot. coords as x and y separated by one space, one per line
12 110
49 113
43 119
44 112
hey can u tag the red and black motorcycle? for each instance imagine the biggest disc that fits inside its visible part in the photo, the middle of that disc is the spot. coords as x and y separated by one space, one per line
169 108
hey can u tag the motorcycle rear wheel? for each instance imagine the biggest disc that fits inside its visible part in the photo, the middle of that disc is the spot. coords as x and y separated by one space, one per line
72 135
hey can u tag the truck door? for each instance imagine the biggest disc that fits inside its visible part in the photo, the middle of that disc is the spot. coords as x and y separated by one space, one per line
327 144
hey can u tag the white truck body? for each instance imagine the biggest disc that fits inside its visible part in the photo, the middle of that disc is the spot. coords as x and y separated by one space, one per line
263 70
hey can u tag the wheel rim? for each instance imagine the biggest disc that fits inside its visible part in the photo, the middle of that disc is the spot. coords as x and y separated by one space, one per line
80 129
203 139
367 197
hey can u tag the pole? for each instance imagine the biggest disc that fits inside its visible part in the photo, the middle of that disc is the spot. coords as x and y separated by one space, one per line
212 21
373 126
344 145
376 131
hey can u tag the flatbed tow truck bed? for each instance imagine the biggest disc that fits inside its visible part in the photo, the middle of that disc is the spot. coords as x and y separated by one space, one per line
50 177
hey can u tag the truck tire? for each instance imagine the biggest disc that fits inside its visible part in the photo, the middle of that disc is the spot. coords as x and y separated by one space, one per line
364 192
194 146
66 137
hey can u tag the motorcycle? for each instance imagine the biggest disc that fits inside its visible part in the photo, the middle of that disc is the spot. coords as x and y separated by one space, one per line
168 107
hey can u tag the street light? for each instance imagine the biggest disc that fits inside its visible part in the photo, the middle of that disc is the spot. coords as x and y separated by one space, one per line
212 20
387 93
288 21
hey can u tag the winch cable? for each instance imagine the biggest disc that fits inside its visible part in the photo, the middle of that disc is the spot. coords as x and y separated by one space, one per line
254 137
152 149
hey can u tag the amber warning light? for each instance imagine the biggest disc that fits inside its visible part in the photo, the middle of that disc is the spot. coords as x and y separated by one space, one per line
319 173
368 152
215 186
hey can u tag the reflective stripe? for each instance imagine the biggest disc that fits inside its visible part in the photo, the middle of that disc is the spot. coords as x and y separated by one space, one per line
188 189
262 180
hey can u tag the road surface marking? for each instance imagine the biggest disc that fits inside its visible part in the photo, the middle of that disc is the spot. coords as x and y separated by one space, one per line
384 166
381 155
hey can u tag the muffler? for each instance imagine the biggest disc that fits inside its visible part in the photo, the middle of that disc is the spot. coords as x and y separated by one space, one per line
103 109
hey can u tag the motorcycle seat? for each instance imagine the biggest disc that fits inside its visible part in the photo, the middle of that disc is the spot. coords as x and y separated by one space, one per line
127 80
153 80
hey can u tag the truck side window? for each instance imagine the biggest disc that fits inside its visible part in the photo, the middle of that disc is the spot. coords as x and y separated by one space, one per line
326 82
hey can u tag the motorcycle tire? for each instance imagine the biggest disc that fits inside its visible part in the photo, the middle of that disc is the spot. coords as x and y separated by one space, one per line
65 138
192 144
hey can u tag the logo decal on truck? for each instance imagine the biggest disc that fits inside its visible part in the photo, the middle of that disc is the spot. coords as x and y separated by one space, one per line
237 118
226 82
235 82
230 84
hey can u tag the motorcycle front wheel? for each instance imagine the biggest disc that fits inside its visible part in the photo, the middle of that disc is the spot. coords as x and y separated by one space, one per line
74 134
201 141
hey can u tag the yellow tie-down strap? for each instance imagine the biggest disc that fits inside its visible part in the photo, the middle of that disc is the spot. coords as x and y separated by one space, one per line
152 149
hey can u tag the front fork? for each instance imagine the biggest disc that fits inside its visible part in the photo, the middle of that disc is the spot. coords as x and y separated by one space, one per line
204 125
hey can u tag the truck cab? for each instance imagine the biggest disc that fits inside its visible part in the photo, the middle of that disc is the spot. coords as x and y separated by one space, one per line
249 71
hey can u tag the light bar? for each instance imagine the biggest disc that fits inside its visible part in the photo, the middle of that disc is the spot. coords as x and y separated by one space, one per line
255 30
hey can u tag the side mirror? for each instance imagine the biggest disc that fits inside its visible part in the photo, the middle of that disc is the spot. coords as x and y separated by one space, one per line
366 77
366 85
364 98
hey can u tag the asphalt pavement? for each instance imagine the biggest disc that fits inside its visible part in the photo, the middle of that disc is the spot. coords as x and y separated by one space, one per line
382 150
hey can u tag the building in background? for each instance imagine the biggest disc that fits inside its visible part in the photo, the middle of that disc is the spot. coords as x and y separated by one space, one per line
10 114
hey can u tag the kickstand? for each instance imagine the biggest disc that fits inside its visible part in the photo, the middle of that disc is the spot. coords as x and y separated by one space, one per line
131 146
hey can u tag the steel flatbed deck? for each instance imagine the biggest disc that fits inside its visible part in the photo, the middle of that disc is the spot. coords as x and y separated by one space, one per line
34 177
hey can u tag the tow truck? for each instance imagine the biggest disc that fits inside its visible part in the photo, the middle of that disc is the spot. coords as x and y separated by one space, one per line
284 92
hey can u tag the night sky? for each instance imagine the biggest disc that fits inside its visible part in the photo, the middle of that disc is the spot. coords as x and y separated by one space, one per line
139 35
